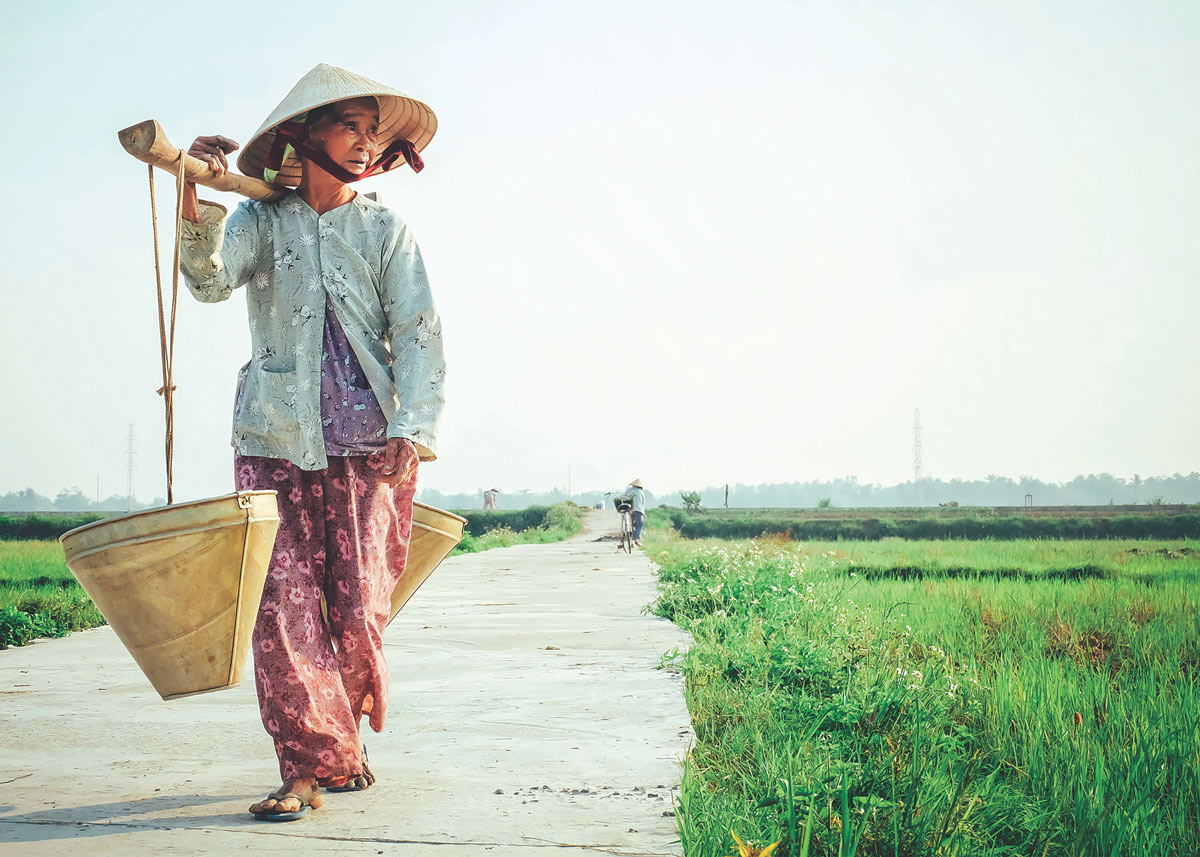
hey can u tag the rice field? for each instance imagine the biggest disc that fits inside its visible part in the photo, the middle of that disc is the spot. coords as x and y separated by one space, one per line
39 597
979 524
938 698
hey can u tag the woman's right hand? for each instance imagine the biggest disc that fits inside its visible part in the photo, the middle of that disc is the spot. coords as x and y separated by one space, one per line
212 151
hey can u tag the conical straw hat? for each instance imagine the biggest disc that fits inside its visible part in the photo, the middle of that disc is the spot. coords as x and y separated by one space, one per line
399 117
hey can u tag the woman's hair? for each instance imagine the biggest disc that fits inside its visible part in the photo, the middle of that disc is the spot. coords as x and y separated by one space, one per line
318 113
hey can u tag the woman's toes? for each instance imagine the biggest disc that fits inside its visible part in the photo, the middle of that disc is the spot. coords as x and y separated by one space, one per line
305 793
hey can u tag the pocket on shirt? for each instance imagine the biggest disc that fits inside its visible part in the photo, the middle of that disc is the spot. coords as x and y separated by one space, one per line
265 400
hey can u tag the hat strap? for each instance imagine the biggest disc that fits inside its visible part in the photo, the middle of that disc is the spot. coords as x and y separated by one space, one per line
294 136
398 147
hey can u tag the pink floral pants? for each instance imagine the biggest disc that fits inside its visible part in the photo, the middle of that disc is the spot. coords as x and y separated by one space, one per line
344 532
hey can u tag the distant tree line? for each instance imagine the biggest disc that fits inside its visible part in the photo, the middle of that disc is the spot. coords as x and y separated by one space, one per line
1091 490
70 500
526 498
75 501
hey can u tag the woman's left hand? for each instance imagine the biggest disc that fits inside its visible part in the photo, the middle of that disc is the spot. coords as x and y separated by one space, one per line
399 459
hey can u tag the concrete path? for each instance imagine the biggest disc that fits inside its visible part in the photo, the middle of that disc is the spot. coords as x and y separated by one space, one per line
526 718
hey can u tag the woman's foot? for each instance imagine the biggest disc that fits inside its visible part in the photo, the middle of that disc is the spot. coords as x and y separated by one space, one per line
291 801
358 783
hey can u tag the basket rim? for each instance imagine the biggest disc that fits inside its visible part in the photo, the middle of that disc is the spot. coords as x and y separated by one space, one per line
439 511
233 494
156 509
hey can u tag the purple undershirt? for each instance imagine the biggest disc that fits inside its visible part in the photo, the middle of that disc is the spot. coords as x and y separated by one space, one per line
352 421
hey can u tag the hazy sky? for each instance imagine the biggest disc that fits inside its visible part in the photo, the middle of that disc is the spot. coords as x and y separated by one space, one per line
694 242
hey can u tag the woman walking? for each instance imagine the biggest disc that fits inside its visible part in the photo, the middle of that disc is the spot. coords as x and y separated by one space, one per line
342 396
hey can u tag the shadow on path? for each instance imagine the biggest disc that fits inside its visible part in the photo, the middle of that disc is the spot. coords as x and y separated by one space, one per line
102 819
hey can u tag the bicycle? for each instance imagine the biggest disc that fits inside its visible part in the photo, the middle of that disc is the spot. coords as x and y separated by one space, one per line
625 508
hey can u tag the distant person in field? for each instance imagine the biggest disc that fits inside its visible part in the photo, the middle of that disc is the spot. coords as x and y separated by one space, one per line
637 491
489 498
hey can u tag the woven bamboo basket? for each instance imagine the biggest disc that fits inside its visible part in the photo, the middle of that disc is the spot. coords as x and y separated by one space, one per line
180 585
434 534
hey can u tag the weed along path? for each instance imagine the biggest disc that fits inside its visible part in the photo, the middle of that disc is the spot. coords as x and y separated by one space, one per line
526 718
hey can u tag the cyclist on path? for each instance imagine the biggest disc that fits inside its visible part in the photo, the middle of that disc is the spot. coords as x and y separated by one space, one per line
637 491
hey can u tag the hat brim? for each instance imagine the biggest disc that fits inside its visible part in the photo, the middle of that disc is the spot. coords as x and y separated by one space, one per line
400 117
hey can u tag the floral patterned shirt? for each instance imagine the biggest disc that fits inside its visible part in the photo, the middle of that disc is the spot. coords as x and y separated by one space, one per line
362 259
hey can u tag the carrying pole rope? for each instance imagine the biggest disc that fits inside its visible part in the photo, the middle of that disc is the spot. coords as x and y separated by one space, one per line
167 342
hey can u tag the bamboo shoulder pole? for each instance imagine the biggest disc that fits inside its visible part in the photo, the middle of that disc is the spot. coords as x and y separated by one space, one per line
147 142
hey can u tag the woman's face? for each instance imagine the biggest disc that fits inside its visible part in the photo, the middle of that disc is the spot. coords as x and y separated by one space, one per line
349 133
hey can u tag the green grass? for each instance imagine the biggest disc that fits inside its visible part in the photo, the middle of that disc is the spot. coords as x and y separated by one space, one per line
555 523
973 711
1024 558
1099 522
39 597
